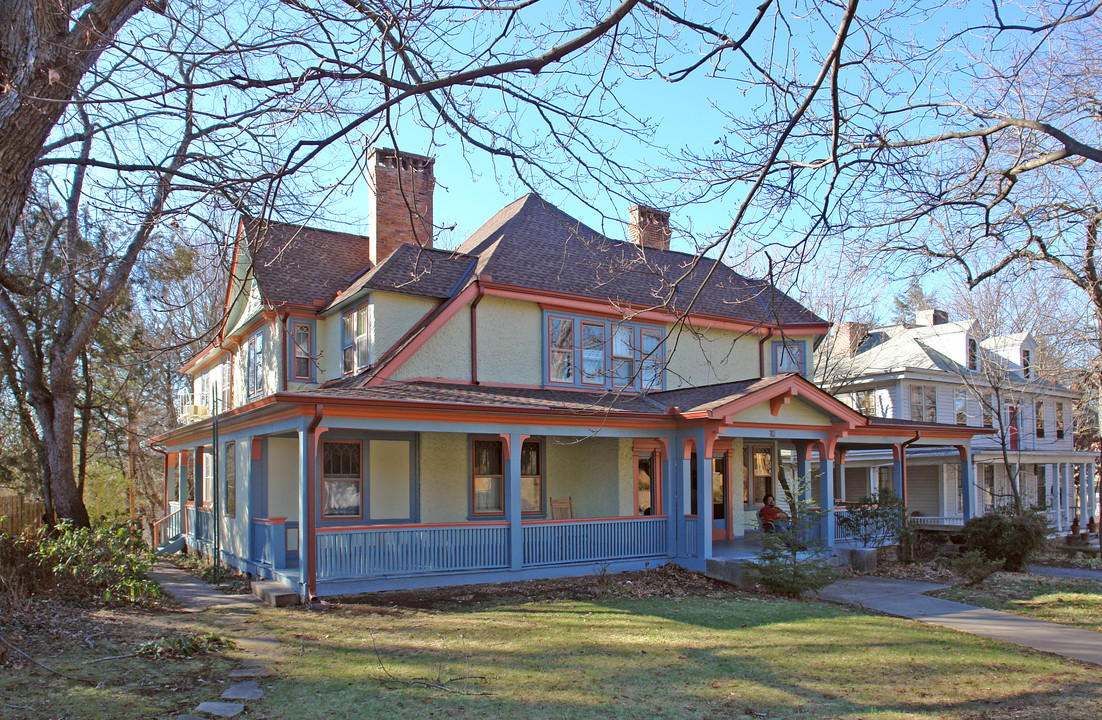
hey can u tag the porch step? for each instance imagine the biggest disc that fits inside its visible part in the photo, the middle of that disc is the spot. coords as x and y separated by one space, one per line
733 572
168 547
274 593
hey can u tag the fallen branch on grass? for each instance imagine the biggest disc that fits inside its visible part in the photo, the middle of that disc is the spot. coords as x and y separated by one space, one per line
18 707
437 684
110 657
93 683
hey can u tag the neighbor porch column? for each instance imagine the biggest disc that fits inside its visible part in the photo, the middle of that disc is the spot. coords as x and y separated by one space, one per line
1083 516
512 501
897 470
670 499
1056 495
967 483
826 493
1065 494
1092 497
307 455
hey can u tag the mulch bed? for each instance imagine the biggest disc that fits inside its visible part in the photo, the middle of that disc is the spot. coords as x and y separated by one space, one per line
664 581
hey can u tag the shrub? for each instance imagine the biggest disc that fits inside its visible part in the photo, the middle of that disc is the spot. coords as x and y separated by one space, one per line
875 521
1007 536
109 560
22 571
792 561
975 567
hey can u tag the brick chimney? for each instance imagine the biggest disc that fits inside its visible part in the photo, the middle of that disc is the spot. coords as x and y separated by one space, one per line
401 212
649 228
848 337
930 317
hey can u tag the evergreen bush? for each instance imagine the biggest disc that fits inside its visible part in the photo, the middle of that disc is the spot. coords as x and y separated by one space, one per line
875 521
1005 535
793 560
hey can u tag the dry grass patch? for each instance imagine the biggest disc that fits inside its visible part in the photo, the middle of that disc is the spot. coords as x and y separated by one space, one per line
716 654
1068 601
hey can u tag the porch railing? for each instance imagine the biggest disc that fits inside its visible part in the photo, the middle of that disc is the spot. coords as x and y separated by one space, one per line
927 520
204 524
373 552
560 542
169 527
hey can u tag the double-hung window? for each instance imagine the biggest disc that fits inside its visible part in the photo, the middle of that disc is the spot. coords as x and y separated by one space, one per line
960 405
988 402
1027 364
302 337
923 403
354 340
597 353
208 478
341 479
488 477
231 479
254 360
1040 414
1059 421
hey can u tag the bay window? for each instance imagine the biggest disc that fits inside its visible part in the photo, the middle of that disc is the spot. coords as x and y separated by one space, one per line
609 354
302 351
923 403
254 364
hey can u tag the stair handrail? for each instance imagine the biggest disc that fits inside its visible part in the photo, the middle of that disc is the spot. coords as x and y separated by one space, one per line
159 525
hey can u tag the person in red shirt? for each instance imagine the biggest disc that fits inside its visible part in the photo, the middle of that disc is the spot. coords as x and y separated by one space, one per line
773 519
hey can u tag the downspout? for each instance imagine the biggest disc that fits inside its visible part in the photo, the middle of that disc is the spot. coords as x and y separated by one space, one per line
311 453
761 352
903 463
474 334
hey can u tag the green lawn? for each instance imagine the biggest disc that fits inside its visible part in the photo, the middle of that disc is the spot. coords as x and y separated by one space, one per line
696 657
1061 600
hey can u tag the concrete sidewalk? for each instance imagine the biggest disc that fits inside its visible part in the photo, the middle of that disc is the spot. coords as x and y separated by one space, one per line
194 594
905 598
1079 573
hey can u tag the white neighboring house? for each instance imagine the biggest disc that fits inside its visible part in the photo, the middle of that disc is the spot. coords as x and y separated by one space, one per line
941 371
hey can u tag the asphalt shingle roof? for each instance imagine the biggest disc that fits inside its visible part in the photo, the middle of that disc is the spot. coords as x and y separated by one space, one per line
303 265
414 271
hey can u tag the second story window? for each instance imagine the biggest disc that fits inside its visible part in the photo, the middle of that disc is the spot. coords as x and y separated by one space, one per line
1027 364
597 353
303 346
1059 421
1040 410
254 361
354 340
788 357
960 405
988 410
864 401
923 403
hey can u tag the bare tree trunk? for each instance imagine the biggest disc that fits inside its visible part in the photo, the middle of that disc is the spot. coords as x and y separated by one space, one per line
85 422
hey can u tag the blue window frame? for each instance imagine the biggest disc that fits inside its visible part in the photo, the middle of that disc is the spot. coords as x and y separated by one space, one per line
590 352
790 356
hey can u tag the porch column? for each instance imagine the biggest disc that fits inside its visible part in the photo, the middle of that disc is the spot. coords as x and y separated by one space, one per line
671 505
1065 494
1057 484
1083 516
840 476
874 481
306 455
897 470
703 498
967 483
801 468
826 494
1092 497
512 501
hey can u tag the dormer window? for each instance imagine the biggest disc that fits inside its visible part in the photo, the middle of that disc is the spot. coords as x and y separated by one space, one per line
1027 366
610 354
973 354
354 340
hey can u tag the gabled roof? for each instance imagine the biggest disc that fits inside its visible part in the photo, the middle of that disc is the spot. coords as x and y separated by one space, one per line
724 400
532 244
302 265
414 271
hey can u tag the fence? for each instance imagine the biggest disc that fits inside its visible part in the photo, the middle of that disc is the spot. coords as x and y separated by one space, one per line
15 514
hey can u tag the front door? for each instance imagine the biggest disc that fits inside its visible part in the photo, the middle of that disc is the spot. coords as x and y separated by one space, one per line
721 499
